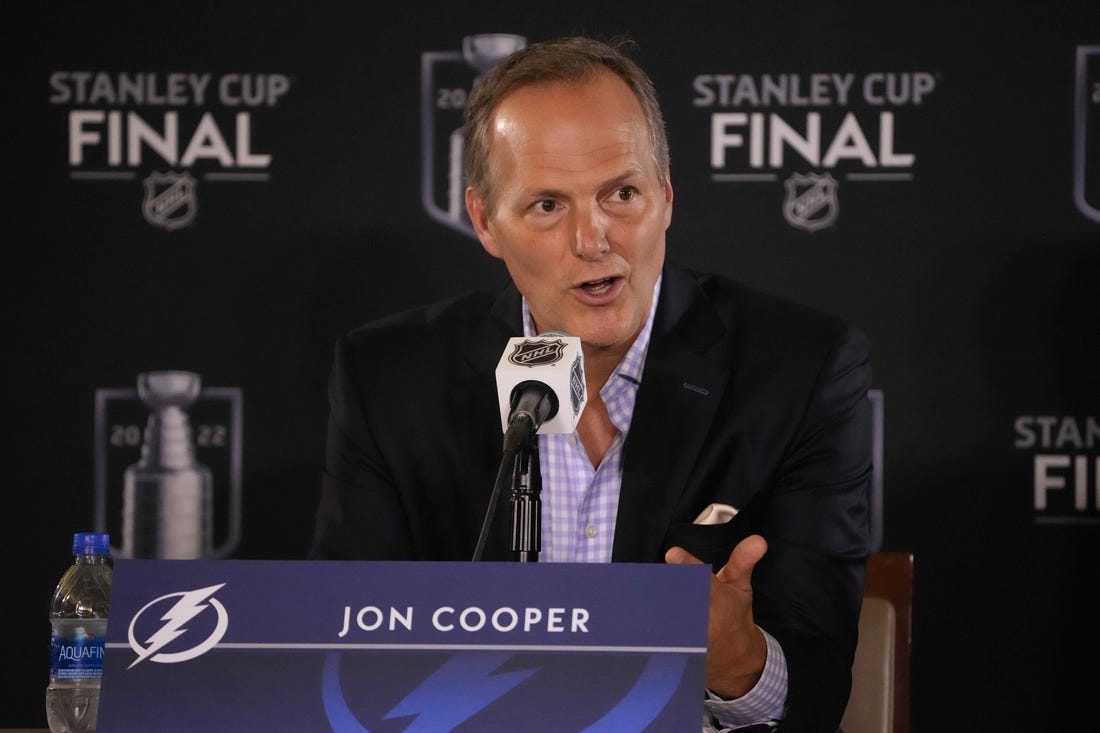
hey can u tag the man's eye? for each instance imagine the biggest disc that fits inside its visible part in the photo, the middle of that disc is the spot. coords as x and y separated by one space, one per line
625 193
547 205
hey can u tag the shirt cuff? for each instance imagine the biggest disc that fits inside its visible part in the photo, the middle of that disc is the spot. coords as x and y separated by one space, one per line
762 704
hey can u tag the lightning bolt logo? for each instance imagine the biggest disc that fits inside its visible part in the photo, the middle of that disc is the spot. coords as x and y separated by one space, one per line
468 683
190 604
457 691
454 693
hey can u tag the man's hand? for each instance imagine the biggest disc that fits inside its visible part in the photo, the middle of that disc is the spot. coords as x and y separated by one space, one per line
736 650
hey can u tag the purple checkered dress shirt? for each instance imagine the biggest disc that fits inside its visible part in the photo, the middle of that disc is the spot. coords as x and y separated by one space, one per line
579 505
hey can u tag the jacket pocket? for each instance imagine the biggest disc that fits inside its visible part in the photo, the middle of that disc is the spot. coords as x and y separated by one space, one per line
711 543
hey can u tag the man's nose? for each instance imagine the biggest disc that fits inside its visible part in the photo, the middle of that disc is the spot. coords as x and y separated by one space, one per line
591 235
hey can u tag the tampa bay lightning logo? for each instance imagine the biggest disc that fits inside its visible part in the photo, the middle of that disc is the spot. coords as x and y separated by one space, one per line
179 617
469 683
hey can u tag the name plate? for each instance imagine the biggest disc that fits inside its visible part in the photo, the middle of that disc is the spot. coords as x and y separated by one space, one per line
409 647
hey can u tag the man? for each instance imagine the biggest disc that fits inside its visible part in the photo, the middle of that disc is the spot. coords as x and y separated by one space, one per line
705 399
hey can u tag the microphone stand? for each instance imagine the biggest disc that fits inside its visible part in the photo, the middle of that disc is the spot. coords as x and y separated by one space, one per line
520 462
526 503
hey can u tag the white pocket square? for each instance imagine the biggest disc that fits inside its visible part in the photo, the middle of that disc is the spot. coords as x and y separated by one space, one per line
716 514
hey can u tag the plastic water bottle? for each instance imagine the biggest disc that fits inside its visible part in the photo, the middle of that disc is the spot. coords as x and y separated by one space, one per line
78 615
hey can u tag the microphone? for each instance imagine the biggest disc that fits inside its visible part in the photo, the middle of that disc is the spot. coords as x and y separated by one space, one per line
540 386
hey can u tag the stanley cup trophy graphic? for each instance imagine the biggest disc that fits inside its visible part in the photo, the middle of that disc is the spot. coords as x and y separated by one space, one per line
167 503
446 79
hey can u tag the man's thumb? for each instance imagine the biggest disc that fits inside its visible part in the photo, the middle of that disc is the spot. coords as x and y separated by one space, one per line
743 559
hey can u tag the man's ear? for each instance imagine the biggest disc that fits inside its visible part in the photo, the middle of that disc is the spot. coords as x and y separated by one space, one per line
479 217
668 199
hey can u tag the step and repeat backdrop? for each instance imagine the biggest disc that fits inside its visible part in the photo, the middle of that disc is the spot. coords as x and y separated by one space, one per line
200 198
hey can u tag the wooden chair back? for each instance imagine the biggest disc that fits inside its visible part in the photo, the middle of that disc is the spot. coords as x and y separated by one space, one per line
881 672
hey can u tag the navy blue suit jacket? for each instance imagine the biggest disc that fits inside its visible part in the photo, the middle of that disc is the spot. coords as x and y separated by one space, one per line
746 399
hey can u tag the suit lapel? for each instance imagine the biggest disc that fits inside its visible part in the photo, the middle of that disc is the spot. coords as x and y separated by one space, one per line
483 346
680 391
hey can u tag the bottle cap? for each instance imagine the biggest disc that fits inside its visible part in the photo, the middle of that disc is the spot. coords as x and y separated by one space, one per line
91 543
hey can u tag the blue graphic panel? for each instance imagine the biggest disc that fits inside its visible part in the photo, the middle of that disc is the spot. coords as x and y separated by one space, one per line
388 647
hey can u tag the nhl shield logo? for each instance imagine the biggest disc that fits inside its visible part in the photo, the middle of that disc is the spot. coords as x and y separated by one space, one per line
811 202
537 353
170 200
446 78
576 385
1086 133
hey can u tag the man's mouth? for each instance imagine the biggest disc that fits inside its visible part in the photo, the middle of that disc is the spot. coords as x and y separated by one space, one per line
598 287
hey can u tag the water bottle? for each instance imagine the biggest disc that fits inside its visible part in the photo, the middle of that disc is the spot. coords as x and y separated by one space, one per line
78 616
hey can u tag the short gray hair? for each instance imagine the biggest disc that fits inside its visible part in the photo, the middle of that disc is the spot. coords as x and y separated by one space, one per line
569 59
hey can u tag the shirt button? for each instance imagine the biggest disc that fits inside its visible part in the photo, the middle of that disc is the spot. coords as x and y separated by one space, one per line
591 531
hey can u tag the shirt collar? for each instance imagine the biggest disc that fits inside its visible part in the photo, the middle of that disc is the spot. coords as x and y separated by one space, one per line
631 366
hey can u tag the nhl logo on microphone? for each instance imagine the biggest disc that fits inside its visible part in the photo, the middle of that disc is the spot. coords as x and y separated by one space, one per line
532 353
576 386
554 359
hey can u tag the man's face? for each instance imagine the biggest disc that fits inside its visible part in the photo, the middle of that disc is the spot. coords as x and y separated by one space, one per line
581 212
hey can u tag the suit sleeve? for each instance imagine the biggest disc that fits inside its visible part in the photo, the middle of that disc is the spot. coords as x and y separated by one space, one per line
808 589
360 515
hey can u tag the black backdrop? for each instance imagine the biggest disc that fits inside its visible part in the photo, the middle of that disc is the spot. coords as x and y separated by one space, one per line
959 225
